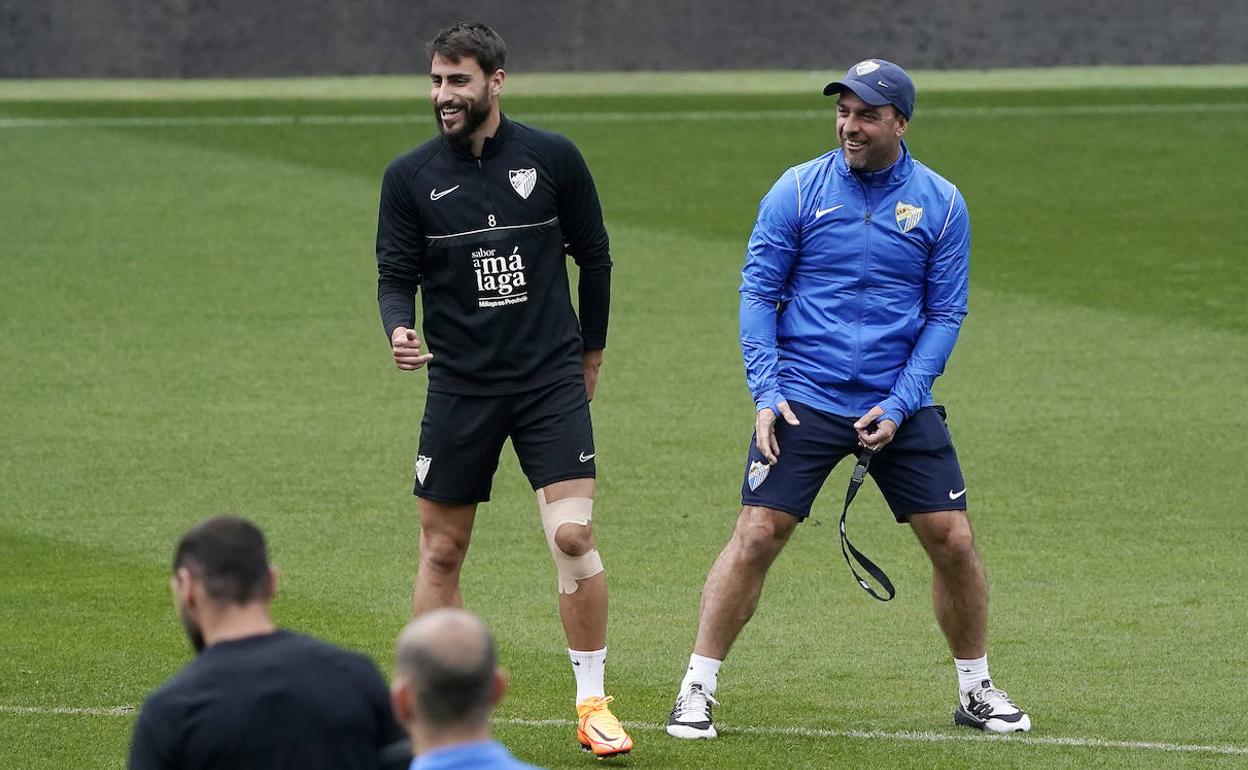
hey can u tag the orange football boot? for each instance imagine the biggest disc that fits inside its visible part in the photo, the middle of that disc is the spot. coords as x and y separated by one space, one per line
598 730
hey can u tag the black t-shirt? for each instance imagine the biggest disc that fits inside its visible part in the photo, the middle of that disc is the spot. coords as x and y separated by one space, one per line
269 702
486 239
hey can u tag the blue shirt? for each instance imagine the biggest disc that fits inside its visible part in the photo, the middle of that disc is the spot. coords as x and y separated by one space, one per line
486 755
854 287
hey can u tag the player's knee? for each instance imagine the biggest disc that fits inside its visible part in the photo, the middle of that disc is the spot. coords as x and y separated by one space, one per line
761 534
571 541
574 539
442 553
952 540
961 543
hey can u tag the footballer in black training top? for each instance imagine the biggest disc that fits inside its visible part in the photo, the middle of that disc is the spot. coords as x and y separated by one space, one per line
480 220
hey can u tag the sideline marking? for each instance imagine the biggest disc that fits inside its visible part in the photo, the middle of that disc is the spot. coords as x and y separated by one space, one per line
116 711
611 117
802 732
924 737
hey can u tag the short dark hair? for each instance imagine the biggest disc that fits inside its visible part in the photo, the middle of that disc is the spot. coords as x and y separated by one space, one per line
228 555
451 685
470 38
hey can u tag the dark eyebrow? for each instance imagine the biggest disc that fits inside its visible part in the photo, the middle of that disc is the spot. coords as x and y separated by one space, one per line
869 111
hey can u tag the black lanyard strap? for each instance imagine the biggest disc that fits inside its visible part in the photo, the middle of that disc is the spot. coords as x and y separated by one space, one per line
847 548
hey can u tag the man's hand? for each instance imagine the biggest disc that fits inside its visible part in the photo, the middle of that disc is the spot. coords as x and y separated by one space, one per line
872 434
764 430
592 361
406 349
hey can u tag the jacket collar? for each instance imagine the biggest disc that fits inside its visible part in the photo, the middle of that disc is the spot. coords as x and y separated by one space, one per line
889 177
493 144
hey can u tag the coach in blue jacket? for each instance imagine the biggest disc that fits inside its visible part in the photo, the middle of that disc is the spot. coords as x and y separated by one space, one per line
853 292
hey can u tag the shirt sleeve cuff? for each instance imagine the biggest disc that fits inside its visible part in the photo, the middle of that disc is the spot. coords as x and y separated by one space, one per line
768 400
892 411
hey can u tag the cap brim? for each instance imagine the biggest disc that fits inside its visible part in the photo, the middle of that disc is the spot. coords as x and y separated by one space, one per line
863 91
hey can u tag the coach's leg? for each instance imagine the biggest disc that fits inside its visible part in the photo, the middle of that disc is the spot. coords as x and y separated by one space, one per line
960 597
584 610
735 581
445 530
959 586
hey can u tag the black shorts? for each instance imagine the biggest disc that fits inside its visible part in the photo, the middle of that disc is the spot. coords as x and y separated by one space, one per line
461 438
917 472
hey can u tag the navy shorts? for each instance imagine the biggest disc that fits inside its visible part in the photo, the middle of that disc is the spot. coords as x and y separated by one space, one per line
917 471
461 438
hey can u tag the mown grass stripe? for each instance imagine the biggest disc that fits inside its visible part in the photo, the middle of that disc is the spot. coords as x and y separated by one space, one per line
735 82
608 116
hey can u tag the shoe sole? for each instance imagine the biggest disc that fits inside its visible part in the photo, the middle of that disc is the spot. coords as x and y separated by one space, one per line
590 749
960 717
691 733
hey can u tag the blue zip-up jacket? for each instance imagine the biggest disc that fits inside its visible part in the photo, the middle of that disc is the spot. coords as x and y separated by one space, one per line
854 287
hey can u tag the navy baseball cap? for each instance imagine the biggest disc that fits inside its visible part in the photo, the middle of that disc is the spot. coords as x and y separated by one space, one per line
877 82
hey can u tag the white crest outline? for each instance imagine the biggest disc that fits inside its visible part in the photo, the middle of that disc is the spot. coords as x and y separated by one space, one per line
422 468
757 474
523 180
908 216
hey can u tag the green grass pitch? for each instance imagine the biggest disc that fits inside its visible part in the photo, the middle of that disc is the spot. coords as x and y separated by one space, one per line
188 326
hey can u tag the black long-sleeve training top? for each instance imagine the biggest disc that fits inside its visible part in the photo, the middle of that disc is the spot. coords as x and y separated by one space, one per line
486 239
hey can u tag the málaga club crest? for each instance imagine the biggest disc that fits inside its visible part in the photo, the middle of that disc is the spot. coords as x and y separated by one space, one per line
523 180
908 216
758 474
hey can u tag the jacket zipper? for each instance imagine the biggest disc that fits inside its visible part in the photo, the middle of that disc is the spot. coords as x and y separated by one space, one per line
491 218
862 281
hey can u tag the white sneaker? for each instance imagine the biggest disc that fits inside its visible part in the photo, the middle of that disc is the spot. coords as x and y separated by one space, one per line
987 708
691 716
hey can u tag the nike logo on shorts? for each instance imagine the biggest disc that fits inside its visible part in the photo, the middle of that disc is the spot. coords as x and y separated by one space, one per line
955 495
587 457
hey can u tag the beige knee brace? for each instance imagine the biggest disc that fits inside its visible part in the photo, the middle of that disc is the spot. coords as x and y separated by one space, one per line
569 510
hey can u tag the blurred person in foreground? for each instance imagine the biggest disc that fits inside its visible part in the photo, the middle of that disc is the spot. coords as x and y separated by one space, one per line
447 683
481 220
852 296
257 696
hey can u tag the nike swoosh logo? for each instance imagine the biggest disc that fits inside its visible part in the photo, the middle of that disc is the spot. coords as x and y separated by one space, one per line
435 195
881 82
603 735
964 670
955 495
821 212
587 457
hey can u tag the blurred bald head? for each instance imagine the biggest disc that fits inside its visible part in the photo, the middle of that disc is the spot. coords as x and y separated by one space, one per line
447 661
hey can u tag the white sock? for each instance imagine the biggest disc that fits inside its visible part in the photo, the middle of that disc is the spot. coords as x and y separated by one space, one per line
971 673
704 671
588 668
